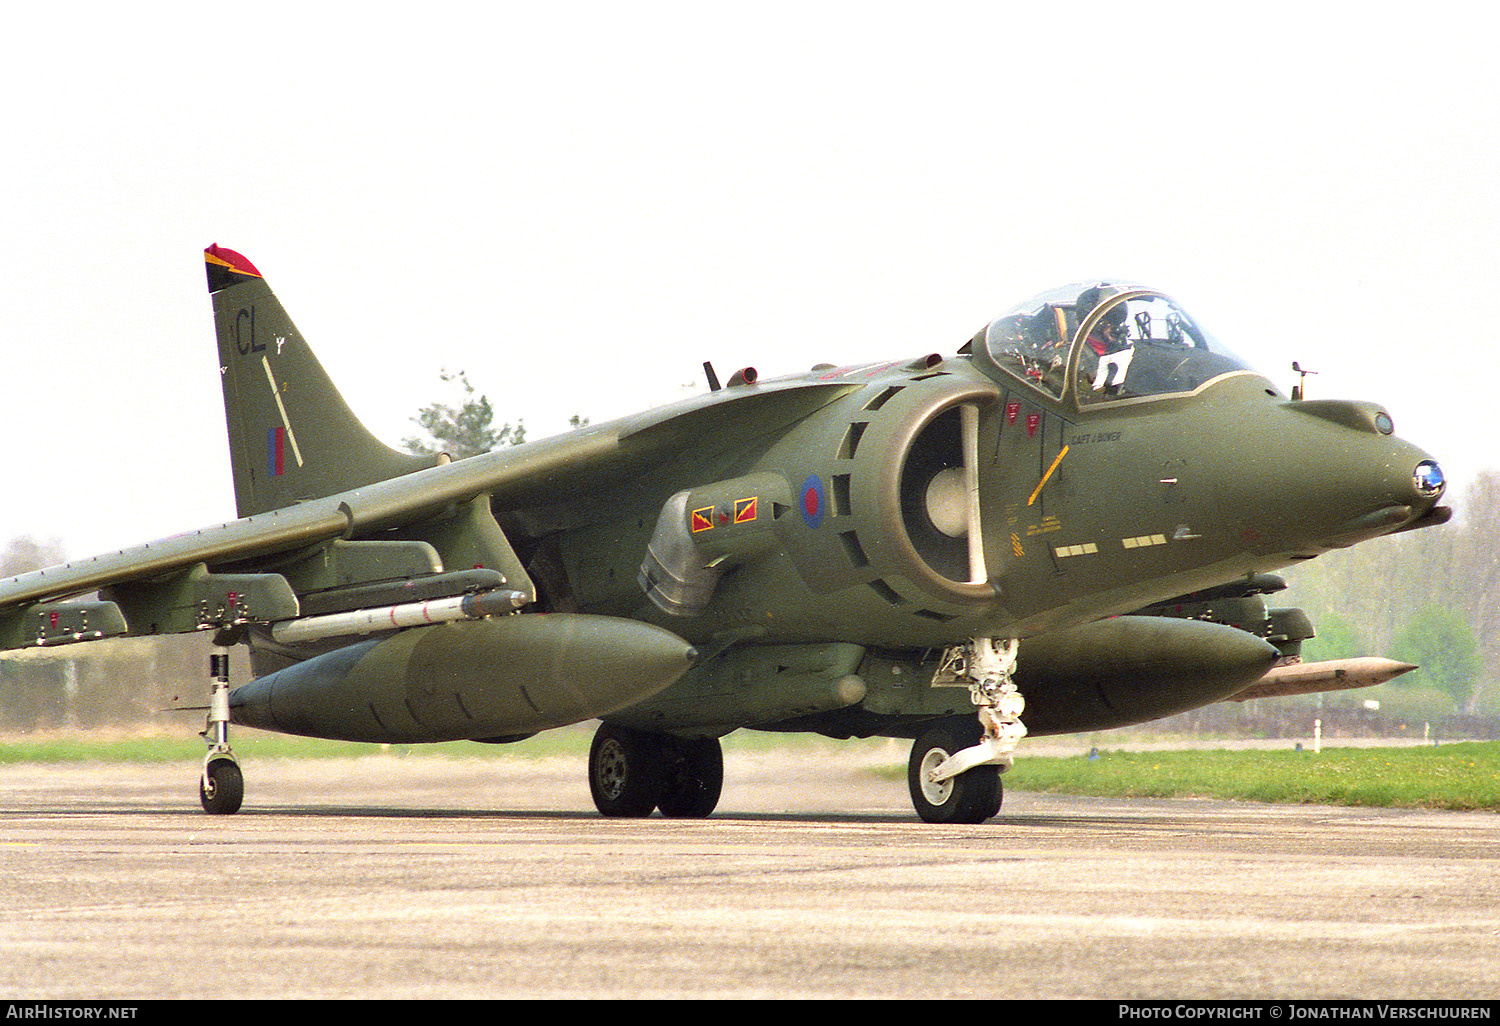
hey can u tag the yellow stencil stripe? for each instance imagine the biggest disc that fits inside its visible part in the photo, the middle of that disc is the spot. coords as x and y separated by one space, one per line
1043 481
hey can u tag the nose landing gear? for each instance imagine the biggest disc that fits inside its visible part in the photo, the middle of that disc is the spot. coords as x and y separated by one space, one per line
954 769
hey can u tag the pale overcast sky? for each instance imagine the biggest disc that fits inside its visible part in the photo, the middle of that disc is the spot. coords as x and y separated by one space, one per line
579 203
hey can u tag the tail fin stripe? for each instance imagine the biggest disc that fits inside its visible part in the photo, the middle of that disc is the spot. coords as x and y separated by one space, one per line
285 422
276 451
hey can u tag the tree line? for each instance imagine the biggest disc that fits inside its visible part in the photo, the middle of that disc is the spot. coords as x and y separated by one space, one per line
1430 597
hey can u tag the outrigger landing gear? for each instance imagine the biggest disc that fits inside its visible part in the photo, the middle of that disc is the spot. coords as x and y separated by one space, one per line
222 786
954 770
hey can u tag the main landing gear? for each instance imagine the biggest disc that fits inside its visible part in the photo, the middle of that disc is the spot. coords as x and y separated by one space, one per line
954 770
632 773
222 786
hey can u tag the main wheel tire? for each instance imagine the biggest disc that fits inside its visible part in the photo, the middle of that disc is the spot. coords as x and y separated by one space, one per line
971 797
222 788
626 771
694 779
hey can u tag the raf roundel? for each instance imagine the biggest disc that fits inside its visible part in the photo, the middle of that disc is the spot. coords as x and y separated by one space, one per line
814 501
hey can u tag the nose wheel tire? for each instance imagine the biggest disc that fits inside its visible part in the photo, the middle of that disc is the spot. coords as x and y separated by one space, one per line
970 797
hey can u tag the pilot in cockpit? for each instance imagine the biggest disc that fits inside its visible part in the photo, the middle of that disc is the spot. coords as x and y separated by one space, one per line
1119 342
1109 341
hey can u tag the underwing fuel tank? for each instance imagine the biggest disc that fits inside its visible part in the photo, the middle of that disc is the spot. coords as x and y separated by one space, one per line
1131 669
480 679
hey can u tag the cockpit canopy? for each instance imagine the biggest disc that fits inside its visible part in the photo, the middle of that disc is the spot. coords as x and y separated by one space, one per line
1111 342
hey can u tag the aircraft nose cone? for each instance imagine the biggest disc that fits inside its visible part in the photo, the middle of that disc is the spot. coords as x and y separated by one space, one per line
1334 476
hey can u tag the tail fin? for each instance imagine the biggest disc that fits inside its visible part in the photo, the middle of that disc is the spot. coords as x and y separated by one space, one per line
291 435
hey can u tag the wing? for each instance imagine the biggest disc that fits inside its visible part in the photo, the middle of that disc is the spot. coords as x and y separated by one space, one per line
331 518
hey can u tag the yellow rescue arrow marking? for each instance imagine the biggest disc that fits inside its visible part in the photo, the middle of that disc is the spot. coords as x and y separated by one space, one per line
1043 481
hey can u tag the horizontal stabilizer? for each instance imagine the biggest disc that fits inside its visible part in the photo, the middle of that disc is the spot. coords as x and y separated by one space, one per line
1329 675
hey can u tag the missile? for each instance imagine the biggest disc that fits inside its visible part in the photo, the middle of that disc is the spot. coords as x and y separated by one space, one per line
409 614
1329 675
471 679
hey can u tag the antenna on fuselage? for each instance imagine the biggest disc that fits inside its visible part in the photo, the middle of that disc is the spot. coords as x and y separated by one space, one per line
1300 391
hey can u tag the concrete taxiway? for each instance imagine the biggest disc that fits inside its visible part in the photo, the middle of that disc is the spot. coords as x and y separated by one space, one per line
460 878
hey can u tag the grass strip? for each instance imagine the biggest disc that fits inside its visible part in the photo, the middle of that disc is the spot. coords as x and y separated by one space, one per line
155 746
1458 776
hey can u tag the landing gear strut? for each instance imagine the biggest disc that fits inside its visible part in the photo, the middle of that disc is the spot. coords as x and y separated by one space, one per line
632 773
222 786
954 770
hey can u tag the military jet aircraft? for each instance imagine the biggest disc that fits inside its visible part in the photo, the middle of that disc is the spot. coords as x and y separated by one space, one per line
1070 524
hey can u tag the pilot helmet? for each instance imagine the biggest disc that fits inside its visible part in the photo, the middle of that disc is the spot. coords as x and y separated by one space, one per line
1091 297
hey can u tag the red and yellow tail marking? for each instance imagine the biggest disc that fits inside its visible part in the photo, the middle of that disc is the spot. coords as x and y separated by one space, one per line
229 259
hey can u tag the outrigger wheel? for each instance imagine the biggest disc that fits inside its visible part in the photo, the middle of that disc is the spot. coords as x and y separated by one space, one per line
632 773
221 787
971 797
